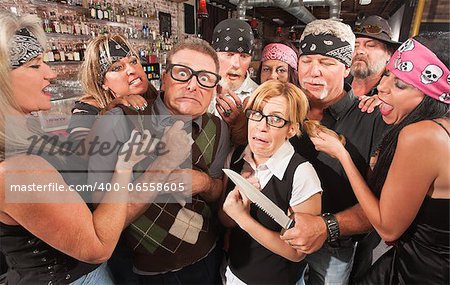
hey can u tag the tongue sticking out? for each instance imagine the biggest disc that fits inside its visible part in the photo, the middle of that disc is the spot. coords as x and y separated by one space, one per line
385 109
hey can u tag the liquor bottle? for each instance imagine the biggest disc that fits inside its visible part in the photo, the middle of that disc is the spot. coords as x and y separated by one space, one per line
69 53
63 24
70 25
77 25
50 56
105 11
93 10
57 26
76 53
99 10
62 55
47 27
82 50
111 12
118 11
56 54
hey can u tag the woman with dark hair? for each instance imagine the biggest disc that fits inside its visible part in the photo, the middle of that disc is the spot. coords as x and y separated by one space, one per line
407 197
279 61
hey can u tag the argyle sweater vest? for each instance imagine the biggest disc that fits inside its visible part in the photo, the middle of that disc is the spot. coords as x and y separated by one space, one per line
169 236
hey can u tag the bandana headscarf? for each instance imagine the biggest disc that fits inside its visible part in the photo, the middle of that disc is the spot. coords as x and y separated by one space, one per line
24 46
418 66
281 52
115 51
233 35
327 45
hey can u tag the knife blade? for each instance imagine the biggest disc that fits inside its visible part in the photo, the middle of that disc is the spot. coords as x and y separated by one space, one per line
261 201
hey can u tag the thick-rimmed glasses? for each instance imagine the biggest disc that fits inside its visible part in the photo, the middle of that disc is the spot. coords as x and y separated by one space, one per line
183 73
271 120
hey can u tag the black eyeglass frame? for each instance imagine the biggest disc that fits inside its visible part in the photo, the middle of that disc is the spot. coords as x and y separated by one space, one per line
170 67
249 112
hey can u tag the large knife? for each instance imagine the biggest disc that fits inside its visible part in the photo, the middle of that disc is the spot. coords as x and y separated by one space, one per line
261 200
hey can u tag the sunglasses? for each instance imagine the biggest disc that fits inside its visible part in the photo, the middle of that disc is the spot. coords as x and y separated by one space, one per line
369 29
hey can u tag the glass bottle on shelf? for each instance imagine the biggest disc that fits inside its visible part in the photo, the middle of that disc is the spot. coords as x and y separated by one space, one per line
118 11
92 10
56 26
62 55
110 10
76 53
46 23
69 53
105 11
99 10
56 54
49 53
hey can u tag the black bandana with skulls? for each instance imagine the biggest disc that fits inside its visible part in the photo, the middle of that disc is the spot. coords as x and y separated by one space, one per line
115 51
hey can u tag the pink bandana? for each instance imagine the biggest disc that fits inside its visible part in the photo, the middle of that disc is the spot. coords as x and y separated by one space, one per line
420 67
280 52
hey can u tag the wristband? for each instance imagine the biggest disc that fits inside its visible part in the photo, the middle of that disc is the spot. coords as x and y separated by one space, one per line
333 232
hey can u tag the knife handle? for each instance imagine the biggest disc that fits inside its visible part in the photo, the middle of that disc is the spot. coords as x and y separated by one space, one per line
289 226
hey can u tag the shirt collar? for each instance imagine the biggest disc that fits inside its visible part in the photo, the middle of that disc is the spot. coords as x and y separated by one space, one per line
342 106
247 87
277 164
167 119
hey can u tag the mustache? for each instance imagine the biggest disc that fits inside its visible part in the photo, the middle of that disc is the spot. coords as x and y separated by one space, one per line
312 80
361 58
235 72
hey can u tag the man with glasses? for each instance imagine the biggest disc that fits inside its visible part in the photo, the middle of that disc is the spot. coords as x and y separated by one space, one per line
325 59
176 242
373 48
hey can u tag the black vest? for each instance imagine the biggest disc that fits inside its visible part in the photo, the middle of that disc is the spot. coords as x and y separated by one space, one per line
30 260
250 261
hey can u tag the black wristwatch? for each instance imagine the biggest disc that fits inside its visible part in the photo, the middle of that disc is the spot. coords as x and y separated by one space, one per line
333 232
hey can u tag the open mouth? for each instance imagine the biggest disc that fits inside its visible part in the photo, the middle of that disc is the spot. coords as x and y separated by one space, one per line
385 108
48 90
233 76
259 140
136 81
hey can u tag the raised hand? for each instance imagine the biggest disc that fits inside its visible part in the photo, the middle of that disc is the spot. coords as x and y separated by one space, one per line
136 102
229 105
178 144
135 149
328 144
369 103
236 205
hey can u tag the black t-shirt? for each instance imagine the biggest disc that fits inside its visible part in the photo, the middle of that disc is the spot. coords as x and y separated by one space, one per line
363 133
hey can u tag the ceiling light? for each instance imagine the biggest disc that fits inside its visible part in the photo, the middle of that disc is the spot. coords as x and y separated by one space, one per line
278 21
364 2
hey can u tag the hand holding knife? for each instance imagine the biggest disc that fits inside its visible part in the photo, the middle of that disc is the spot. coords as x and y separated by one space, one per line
261 200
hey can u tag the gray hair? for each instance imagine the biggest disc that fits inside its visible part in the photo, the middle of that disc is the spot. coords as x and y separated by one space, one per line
332 27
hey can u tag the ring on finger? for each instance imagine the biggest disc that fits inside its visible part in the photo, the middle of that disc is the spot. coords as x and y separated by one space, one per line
227 112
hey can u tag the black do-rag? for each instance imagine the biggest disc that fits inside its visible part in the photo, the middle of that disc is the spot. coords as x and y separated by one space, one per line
24 46
327 45
233 35
115 51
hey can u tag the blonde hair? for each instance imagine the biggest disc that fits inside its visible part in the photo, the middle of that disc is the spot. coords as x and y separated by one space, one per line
331 27
298 106
90 69
9 25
